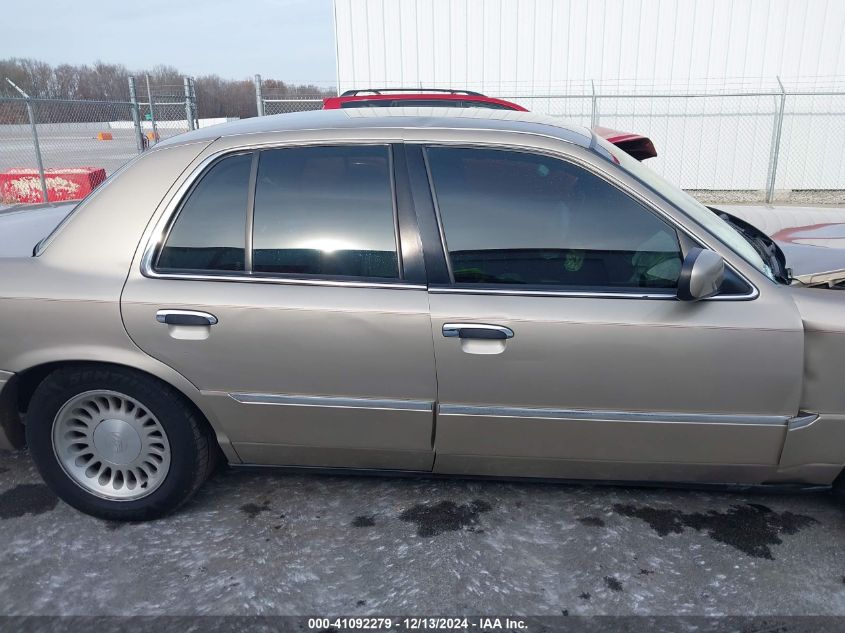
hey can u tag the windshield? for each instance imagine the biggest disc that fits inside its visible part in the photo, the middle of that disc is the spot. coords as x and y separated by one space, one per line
689 205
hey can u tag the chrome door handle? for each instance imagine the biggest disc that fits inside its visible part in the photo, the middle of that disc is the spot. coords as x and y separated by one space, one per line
477 330
185 317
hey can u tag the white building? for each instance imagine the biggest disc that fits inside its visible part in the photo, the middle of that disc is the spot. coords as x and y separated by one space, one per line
552 55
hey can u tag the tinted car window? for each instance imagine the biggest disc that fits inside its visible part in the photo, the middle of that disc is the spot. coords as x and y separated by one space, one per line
325 211
426 103
486 104
376 103
519 218
210 230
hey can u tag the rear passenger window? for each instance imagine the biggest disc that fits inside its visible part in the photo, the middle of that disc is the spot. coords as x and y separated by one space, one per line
325 211
210 231
526 219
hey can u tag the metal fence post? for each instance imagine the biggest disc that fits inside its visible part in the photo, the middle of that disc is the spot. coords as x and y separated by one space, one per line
34 129
194 106
189 115
152 110
259 98
594 114
136 115
775 155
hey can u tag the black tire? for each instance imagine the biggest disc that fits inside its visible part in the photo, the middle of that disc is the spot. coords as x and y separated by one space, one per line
193 449
839 487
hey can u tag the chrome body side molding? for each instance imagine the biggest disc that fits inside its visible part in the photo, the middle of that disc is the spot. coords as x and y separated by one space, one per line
332 402
802 420
615 416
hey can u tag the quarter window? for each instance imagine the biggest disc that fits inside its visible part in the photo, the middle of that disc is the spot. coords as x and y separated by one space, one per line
517 218
325 211
210 231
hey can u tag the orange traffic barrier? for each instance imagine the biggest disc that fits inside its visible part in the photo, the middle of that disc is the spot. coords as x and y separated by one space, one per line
152 136
104 136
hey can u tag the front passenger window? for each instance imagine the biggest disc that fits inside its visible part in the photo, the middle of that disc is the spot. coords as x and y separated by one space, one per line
512 217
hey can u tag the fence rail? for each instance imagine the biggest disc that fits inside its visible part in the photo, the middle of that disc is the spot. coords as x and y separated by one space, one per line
782 143
43 140
751 144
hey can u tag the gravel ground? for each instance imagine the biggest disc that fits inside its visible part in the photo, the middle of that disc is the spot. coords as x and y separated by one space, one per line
264 542
813 197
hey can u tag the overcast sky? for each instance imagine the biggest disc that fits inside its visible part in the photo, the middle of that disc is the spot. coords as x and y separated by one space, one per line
290 40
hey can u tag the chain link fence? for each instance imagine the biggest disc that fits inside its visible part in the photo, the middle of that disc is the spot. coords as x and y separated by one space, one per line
167 110
268 104
64 141
812 143
738 140
774 141
716 142
298 104
58 149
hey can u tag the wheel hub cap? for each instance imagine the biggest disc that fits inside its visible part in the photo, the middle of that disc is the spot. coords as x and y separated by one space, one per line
111 445
117 441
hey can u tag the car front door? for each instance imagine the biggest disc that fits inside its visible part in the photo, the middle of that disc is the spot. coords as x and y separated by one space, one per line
288 290
561 347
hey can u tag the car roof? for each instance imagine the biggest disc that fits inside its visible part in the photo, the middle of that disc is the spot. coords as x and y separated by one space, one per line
393 118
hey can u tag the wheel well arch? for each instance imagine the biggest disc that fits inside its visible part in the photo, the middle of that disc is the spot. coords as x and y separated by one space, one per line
28 380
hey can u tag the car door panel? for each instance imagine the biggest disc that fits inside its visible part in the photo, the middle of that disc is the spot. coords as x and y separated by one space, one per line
606 384
369 345
300 368
618 379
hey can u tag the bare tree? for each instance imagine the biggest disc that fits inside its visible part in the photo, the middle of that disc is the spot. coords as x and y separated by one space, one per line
216 97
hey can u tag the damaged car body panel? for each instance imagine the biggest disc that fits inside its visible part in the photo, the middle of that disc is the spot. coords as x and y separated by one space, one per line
811 243
819 440
327 289
811 239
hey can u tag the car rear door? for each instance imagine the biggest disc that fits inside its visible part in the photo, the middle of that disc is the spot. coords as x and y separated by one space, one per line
561 347
289 289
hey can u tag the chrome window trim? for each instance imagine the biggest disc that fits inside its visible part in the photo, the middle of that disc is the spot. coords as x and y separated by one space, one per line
333 402
584 294
163 227
391 166
803 420
611 179
615 416
157 234
286 281
249 224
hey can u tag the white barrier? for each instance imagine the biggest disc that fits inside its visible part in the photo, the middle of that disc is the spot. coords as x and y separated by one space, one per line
168 125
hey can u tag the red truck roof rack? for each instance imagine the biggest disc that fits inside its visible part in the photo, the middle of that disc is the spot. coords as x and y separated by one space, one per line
380 91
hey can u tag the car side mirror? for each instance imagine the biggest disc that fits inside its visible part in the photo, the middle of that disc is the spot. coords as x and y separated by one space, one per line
702 274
